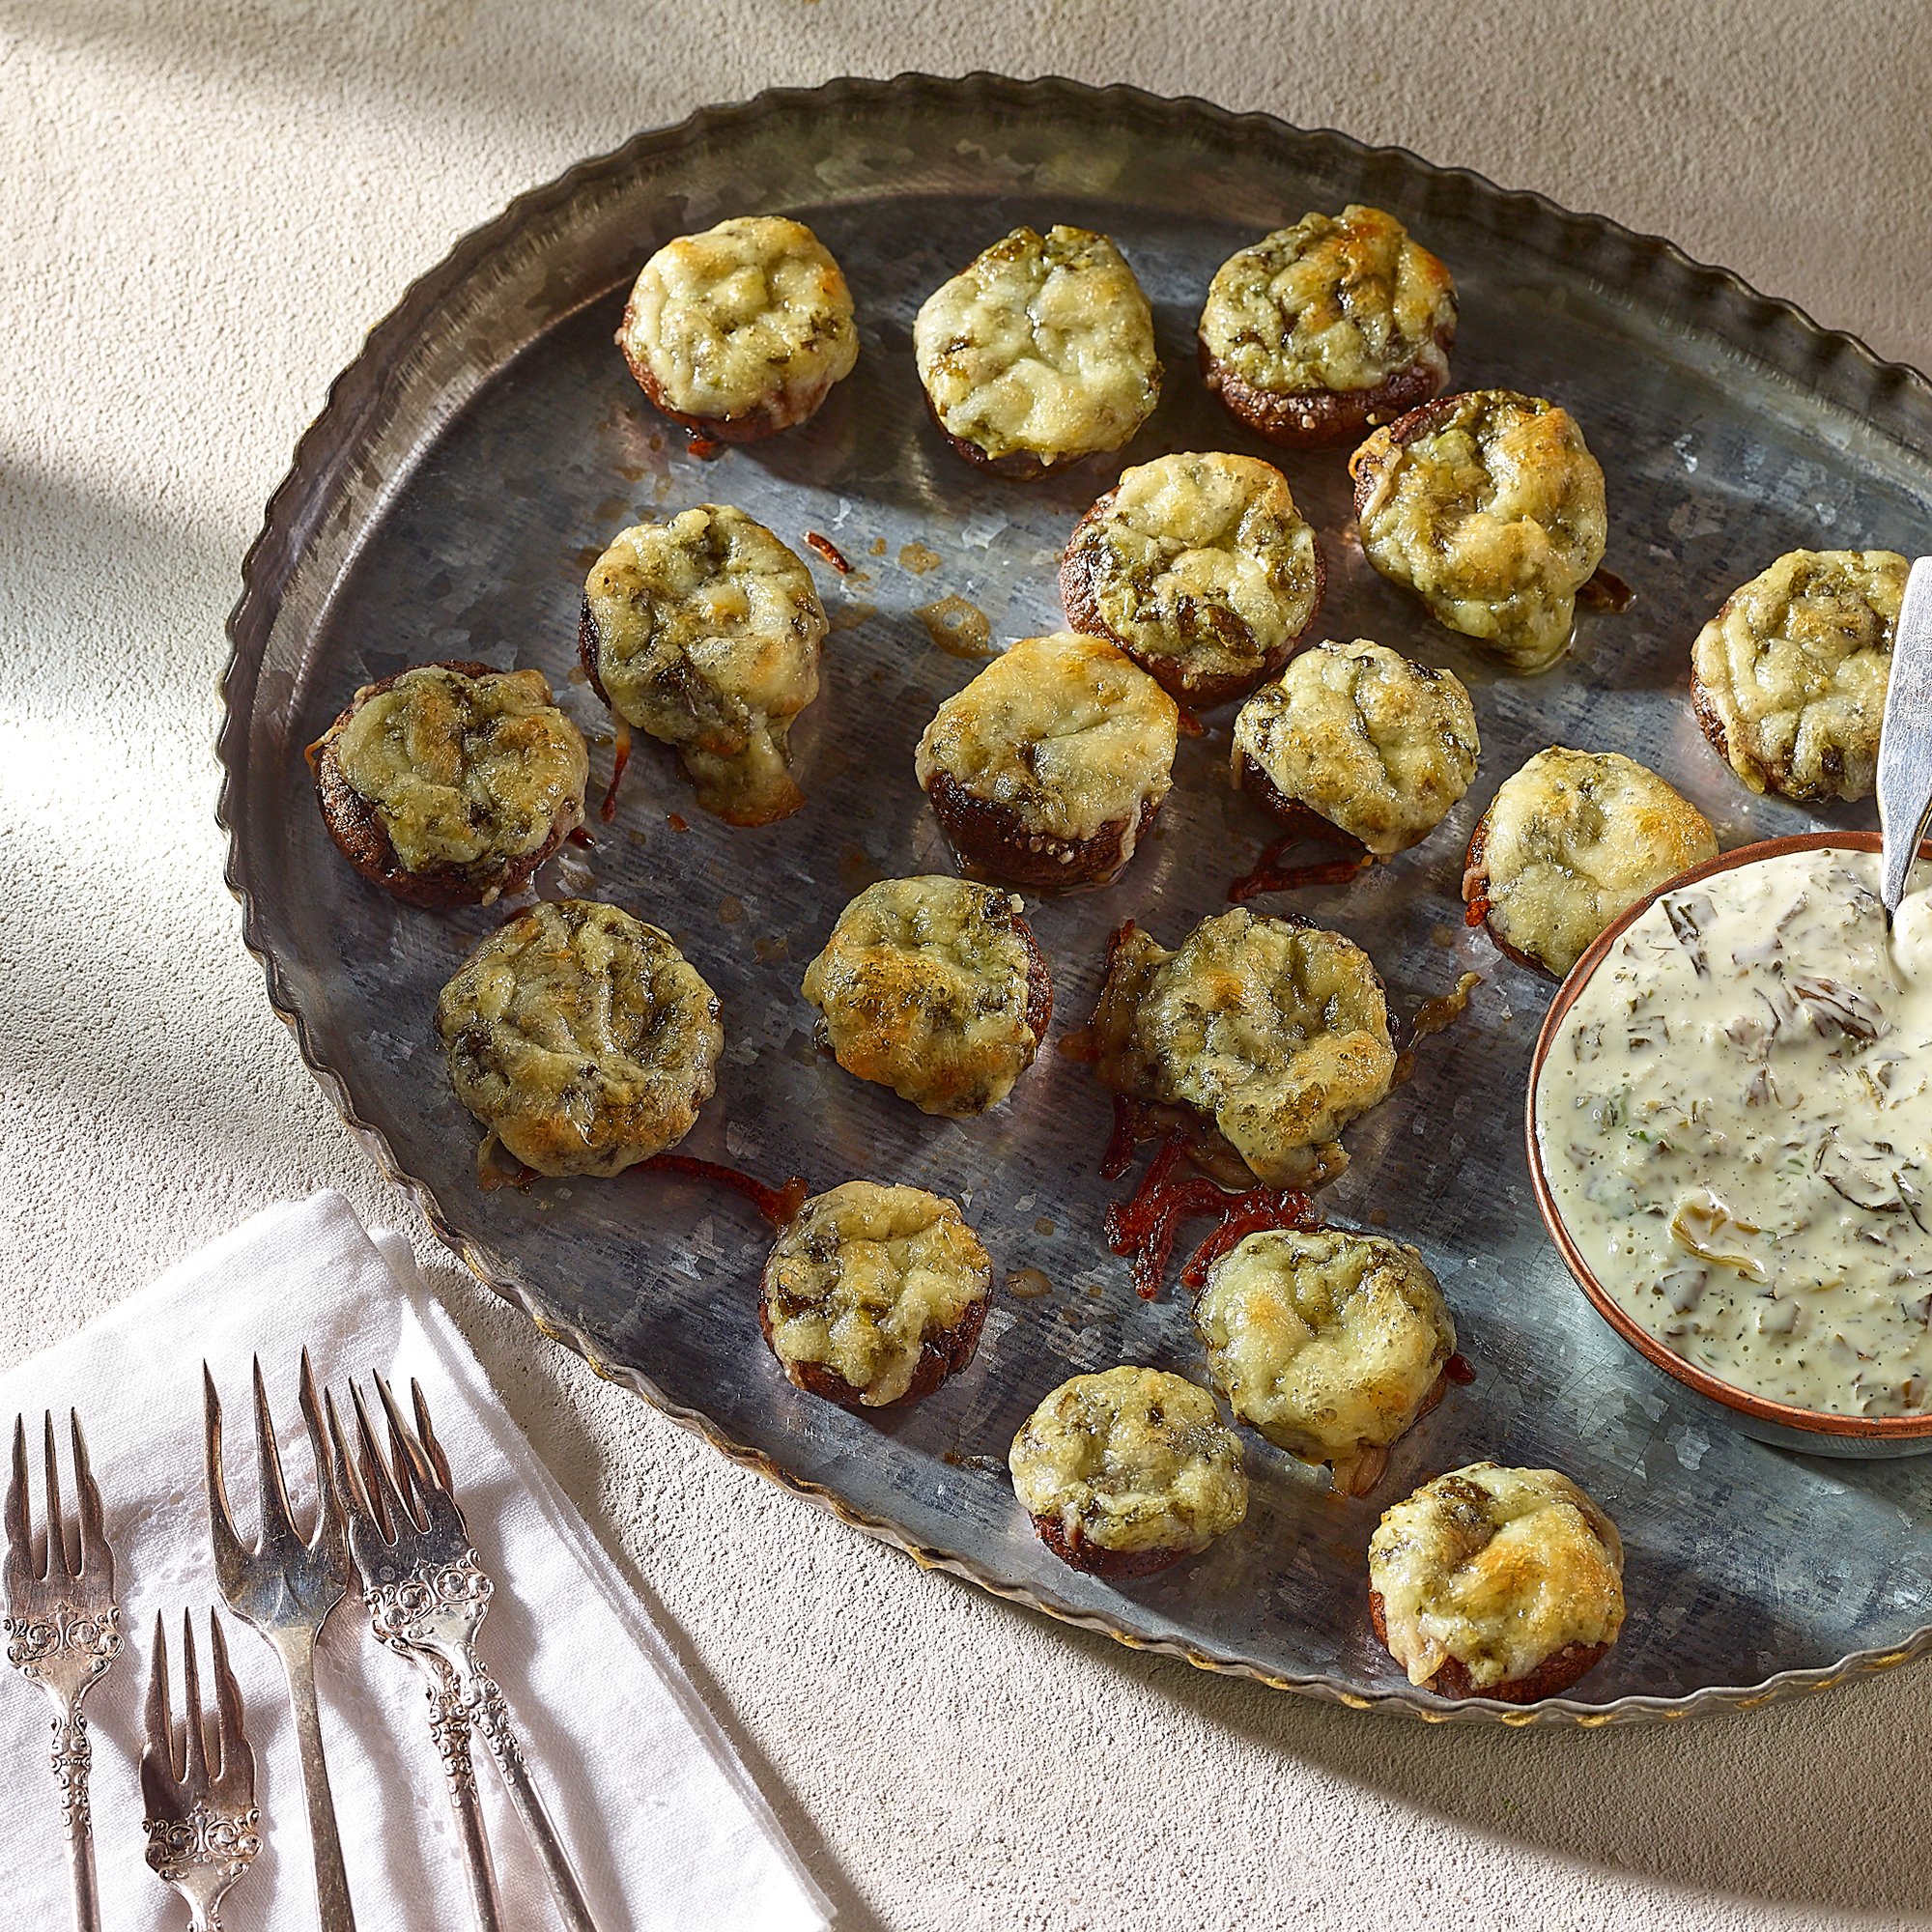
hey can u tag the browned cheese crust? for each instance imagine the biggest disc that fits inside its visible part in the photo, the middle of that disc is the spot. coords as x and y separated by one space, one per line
1124 1472
1202 619
1551 1677
940 1355
356 826
1326 328
704 632
1567 843
1373 743
742 330
1039 353
1489 507
1788 680
1047 768
933 987
873 1295
1274 1033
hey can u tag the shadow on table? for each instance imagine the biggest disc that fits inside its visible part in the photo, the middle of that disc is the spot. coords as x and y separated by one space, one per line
1815 1804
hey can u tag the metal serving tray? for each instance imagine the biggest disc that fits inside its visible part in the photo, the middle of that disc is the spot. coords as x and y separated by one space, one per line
488 442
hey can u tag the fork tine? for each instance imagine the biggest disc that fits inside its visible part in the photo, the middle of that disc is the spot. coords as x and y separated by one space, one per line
347 1482
56 1526
229 1553
158 1725
384 1494
21 1569
328 1522
426 1430
278 1524
228 1735
194 1769
97 1559
410 1457
426 1496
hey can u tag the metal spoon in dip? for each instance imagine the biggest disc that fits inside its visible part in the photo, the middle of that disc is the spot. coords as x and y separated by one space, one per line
1905 738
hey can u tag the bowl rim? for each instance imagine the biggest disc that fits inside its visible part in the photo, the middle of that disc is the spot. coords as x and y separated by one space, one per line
1759 1408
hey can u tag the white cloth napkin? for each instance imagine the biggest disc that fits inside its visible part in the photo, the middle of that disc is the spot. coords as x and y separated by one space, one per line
660 1816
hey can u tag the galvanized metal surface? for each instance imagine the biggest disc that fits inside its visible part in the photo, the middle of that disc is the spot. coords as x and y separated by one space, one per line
489 442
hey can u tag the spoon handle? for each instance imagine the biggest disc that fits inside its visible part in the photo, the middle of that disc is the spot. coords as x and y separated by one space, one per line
1905 742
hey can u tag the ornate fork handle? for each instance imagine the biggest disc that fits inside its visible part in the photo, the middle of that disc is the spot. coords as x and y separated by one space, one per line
491 1716
208 1845
449 1722
72 1758
65 1653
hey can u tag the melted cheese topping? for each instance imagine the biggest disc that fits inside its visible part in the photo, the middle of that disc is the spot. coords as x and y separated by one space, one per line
1132 1459
1574 838
581 1037
753 314
1498 1568
1379 745
1043 346
1326 1342
1277 1032
924 986
1063 730
1494 515
1202 562
1736 1124
465 771
709 632
1795 667
1337 302
864 1276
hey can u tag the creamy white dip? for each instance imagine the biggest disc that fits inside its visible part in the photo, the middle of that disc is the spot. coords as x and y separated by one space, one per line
1736 1123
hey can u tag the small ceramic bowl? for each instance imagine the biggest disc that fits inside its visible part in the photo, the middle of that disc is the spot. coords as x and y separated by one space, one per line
1809 1430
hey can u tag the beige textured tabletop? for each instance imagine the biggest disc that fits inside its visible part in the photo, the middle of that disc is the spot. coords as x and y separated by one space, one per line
204 204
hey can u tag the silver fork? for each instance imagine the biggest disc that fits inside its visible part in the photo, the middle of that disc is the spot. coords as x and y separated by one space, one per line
63 1630
427 1595
285 1586
197 1803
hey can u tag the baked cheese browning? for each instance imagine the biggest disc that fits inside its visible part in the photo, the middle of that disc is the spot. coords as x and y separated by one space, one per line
457 772
742 329
1336 305
1129 1463
581 1037
1065 732
1328 1342
1489 507
1379 746
1200 568
1041 350
1789 677
869 1284
706 632
935 988
1276 1032
1495 1570
1568 843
